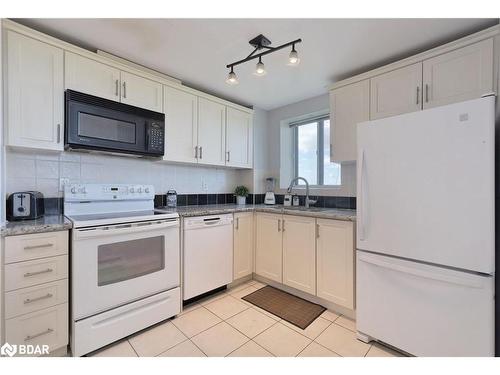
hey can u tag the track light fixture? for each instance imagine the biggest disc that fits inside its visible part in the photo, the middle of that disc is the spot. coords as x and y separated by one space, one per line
232 79
261 42
260 69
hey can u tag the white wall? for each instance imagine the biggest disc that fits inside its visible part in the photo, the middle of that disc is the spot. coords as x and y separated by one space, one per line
279 153
41 172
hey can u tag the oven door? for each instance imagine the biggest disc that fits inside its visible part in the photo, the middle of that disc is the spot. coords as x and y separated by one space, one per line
116 264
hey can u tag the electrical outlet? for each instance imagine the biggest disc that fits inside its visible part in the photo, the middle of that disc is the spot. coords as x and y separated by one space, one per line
62 182
204 185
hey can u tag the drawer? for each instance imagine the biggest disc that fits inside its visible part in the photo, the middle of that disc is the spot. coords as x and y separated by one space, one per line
35 246
34 272
102 329
44 327
34 298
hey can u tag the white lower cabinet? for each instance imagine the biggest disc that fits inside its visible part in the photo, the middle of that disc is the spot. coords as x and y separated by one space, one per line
269 246
312 255
35 290
335 261
44 327
243 244
299 253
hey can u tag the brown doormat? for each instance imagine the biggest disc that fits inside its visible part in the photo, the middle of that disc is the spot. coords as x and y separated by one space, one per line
294 310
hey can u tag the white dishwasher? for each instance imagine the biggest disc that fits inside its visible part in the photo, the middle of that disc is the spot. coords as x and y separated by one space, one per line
208 253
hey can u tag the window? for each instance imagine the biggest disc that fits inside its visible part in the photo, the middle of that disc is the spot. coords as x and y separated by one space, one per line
312 153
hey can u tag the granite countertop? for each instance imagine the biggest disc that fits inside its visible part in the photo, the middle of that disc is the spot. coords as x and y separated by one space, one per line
218 209
48 223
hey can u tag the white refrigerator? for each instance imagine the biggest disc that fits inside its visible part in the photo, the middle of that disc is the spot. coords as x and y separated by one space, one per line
426 230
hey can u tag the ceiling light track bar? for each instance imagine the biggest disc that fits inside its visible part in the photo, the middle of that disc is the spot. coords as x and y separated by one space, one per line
270 50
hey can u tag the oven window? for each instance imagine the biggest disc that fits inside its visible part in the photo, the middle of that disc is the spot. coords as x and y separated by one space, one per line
129 259
109 129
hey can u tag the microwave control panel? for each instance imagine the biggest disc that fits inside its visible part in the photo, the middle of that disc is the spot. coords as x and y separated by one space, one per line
156 135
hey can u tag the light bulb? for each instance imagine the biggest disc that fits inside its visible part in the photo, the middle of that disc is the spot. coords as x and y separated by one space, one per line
260 69
293 58
232 79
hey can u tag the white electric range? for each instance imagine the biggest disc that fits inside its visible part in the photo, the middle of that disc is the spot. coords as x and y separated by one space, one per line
125 263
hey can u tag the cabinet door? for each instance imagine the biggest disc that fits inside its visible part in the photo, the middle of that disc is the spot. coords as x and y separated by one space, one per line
181 124
396 92
268 246
141 92
463 74
239 138
335 261
349 105
211 132
299 253
35 94
243 244
91 77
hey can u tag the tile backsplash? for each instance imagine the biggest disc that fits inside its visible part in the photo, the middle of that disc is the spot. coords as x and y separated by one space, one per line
41 172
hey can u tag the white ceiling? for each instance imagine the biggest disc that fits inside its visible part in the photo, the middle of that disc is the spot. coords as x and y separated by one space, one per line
196 51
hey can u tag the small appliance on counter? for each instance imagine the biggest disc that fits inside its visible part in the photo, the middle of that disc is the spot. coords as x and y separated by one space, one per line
287 200
270 184
171 198
25 205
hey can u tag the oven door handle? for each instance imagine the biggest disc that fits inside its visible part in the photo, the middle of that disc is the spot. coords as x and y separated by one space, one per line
113 230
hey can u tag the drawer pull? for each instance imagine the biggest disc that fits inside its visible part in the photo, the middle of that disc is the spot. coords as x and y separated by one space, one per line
31 300
31 337
29 274
38 246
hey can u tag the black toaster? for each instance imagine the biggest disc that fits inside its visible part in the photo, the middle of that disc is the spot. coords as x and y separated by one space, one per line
25 205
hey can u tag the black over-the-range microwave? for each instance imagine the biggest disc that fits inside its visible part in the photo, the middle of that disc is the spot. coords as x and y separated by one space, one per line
93 123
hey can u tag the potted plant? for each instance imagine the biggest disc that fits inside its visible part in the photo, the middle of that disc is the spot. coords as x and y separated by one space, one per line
241 193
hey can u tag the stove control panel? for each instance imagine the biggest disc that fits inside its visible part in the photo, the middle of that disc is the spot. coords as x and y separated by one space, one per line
108 192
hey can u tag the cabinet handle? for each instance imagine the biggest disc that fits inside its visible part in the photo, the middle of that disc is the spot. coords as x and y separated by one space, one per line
201 152
237 223
418 92
58 133
31 300
228 156
283 226
331 152
31 337
317 230
426 93
125 89
29 274
38 246
196 152
116 87
279 225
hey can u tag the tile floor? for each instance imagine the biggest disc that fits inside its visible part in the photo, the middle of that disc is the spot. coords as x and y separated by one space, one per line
225 325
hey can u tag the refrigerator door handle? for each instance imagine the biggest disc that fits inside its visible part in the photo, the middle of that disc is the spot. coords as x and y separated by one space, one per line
468 282
362 208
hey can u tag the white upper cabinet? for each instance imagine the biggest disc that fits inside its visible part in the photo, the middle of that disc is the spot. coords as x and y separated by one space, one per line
34 94
141 92
91 77
243 244
335 261
239 138
349 105
463 74
396 92
299 253
211 132
269 246
181 125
